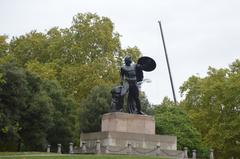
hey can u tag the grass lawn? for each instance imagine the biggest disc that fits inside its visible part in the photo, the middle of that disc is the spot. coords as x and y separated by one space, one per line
40 155
22 153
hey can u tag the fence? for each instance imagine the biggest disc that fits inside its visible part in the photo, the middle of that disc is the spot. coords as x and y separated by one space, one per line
128 149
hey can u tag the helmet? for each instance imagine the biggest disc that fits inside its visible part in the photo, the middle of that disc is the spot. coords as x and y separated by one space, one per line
128 60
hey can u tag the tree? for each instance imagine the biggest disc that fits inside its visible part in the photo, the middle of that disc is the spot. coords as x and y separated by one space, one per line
20 101
80 57
95 36
3 45
31 46
94 106
34 112
172 120
47 71
212 103
146 107
64 115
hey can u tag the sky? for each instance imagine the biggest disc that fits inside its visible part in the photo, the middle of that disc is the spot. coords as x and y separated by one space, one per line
198 33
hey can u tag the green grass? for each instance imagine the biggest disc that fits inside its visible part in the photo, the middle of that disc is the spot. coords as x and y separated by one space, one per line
21 153
40 155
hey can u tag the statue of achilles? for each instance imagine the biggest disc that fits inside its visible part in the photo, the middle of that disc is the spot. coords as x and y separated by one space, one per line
131 79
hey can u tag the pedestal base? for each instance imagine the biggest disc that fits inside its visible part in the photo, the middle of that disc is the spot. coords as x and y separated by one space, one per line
124 133
122 139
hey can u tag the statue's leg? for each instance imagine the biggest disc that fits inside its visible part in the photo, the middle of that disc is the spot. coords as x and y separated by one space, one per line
136 99
113 108
125 88
131 102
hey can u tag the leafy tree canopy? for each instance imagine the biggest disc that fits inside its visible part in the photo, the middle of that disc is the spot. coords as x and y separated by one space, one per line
86 54
95 105
31 109
3 45
172 120
213 105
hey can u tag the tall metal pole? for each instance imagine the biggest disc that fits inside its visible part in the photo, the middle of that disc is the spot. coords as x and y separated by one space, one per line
168 65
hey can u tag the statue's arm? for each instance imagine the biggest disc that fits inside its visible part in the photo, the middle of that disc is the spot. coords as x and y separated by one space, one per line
139 66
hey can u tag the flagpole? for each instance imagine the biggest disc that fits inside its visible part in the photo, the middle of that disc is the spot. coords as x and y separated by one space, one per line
168 65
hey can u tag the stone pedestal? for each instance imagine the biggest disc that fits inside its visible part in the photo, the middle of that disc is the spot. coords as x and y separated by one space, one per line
129 123
119 130
122 139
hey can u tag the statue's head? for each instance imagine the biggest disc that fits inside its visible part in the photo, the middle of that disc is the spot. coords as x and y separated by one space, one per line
128 60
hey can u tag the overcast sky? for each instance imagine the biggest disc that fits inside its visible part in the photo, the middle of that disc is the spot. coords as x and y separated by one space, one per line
198 33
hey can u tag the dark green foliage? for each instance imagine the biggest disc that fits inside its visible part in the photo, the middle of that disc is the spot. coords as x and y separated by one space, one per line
28 108
35 122
64 117
172 120
23 108
93 107
147 108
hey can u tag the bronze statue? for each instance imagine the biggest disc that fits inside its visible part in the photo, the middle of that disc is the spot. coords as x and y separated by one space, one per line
131 79
117 99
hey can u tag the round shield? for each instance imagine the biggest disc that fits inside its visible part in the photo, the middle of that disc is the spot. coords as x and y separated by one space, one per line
147 63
